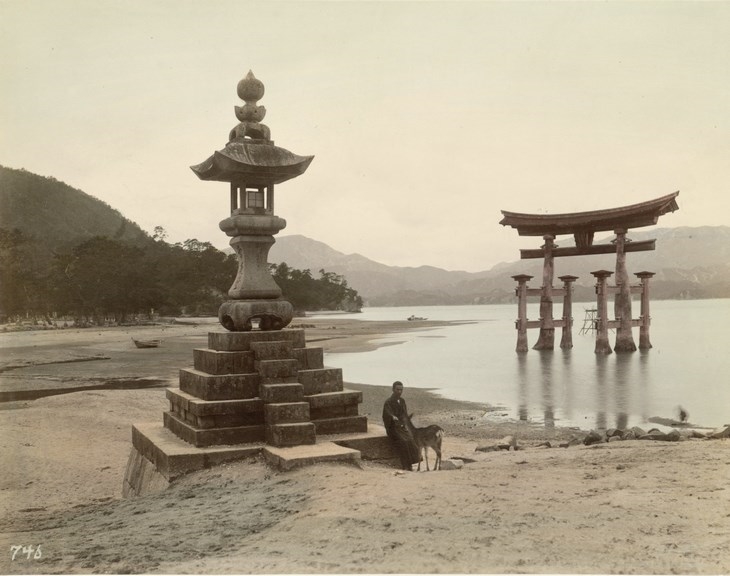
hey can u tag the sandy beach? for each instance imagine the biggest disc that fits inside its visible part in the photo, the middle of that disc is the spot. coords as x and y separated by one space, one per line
71 396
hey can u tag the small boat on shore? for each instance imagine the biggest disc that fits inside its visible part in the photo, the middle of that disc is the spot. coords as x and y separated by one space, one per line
146 343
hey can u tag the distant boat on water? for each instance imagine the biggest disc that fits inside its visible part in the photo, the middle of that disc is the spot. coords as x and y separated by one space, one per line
146 343
411 318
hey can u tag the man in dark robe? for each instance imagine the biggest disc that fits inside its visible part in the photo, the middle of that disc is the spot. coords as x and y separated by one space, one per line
395 416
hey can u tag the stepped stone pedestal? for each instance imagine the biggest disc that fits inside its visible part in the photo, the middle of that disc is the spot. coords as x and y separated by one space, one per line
249 393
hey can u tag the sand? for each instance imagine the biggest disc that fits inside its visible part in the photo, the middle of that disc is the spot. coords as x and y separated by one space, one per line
631 507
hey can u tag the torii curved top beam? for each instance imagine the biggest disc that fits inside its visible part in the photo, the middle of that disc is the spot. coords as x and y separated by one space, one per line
585 223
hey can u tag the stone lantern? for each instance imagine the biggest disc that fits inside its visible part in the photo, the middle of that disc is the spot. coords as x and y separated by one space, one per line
252 392
252 165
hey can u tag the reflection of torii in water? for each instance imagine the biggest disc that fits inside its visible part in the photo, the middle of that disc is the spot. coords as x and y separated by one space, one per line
583 226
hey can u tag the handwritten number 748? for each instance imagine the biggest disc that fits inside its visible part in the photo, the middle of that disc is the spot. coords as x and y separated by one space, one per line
26 551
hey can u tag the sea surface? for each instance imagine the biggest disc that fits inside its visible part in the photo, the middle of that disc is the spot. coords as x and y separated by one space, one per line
689 365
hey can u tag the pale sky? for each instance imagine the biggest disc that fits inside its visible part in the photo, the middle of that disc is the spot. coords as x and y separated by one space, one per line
425 118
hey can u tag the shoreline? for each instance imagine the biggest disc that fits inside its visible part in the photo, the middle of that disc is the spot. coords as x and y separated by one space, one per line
632 506
84 358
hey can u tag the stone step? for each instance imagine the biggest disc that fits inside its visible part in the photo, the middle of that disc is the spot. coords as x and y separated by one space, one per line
321 380
341 425
329 399
286 413
282 392
215 436
217 362
215 413
276 350
334 404
372 444
277 370
309 358
174 457
241 341
286 458
219 387
333 412
291 434
201 407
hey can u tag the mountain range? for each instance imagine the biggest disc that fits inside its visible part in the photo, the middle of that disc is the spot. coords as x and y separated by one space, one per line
688 262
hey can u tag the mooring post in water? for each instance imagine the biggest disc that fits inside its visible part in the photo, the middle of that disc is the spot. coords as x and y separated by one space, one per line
622 300
546 340
566 340
521 323
645 321
602 345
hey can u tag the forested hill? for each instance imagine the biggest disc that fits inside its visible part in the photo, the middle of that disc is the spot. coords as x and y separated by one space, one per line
67 255
61 215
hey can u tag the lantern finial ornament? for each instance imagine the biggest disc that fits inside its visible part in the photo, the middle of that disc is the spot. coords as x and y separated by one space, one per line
251 90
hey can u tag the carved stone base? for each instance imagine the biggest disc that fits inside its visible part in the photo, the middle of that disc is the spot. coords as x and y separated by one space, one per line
236 315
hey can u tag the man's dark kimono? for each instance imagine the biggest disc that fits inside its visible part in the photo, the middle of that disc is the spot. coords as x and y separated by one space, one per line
395 415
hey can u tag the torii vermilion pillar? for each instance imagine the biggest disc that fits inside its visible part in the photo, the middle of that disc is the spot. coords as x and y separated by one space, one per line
622 299
546 339
602 344
566 340
644 340
521 324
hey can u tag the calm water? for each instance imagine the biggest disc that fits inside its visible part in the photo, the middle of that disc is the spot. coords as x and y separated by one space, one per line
688 365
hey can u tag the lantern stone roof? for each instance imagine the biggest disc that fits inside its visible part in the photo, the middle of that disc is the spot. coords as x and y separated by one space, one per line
253 163
250 156
581 223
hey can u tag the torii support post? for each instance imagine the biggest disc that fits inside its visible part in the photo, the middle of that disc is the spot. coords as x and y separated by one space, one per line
644 341
566 340
521 323
546 340
602 345
622 300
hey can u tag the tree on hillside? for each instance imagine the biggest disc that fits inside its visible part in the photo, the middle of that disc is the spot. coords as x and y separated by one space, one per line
328 292
22 282
296 286
203 275
160 234
103 278
334 293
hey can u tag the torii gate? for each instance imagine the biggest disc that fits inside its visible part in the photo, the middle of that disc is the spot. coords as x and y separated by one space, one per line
583 226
